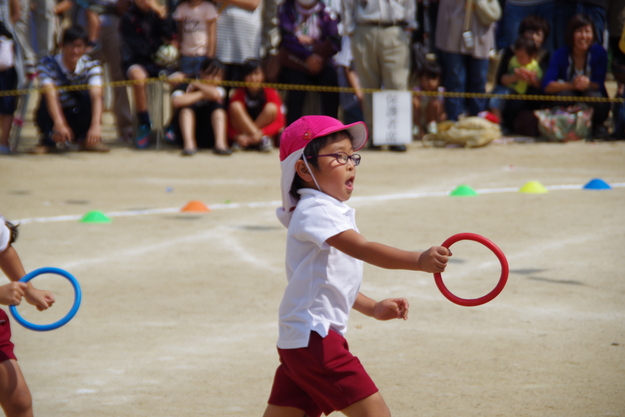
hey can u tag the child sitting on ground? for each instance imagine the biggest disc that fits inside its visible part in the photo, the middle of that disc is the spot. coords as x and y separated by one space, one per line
523 72
324 266
428 110
200 119
15 396
255 114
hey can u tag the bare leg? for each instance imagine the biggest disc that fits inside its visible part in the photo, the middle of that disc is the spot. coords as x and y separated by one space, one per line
277 411
267 116
416 114
6 121
435 111
137 73
241 120
218 121
15 396
250 130
187 128
372 406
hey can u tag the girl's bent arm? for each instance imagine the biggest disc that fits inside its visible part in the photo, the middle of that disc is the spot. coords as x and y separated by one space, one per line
355 245
389 309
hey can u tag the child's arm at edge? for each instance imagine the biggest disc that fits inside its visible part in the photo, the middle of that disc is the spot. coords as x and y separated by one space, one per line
355 245
388 309
12 267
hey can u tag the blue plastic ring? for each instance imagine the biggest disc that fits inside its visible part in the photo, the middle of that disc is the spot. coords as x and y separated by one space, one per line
72 312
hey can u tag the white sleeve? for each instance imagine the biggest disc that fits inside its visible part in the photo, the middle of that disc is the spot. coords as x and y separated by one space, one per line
318 222
5 235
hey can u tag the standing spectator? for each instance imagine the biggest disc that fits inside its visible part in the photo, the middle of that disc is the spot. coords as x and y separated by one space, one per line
351 102
513 14
616 29
23 37
200 119
238 34
579 69
310 38
465 67
255 113
65 116
104 39
380 37
143 28
197 31
45 21
566 9
9 14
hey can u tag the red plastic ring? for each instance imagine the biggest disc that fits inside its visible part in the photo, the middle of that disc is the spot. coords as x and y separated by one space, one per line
472 302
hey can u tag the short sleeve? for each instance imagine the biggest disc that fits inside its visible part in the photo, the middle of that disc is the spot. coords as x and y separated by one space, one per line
5 235
210 12
318 221
177 15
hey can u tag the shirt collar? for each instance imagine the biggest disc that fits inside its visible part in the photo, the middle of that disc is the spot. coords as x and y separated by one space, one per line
312 193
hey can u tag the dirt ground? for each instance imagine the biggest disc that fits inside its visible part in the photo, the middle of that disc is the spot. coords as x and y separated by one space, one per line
179 313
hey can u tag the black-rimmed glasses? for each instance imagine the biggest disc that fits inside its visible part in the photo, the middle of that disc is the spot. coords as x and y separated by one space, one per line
341 157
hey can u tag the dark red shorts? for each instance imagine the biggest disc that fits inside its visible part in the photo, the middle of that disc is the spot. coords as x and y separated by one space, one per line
323 377
6 346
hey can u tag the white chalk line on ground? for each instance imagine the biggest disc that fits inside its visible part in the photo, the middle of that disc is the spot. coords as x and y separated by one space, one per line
275 203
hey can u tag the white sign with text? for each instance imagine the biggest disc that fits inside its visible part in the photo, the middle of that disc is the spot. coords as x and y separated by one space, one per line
392 117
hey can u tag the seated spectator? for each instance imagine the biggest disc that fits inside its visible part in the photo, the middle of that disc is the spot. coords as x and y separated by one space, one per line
255 114
579 69
143 29
196 34
523 72
517 115
428 110
200 117
310 38
65 116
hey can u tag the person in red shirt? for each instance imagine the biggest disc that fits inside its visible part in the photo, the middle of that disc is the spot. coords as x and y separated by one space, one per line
255 114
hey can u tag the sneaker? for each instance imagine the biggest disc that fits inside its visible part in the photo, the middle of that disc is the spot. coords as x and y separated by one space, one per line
97 147
188 152
170 135
142 140
235 147
5 150
265 144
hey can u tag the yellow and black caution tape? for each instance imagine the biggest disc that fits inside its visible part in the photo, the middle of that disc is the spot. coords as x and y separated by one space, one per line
323 89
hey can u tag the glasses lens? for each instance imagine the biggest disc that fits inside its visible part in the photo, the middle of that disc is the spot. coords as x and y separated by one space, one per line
356 158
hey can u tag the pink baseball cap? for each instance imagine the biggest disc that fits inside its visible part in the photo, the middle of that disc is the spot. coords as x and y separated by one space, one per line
292 143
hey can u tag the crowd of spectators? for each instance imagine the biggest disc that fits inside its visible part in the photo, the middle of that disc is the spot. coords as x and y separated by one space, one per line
554 47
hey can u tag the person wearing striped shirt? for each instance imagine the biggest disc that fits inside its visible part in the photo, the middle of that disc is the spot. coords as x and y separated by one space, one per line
70 116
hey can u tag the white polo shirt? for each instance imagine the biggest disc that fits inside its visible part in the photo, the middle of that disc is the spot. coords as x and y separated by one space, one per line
323 282
5 235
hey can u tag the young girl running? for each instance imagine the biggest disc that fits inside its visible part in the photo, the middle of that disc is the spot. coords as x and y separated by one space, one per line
324 264
15 396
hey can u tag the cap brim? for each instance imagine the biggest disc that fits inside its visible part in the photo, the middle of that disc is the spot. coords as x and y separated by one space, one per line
358 131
